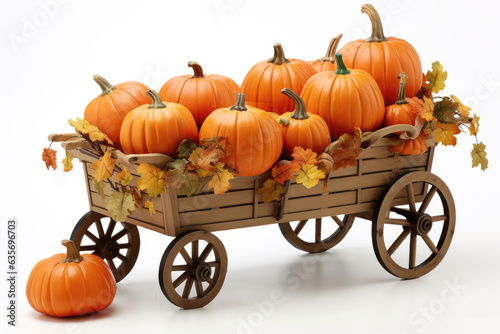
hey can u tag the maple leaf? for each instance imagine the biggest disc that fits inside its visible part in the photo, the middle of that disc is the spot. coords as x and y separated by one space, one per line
188 182
152 178
271 191
104 167
444 110
428 110
436 78
68 162
124 177
474 125
462 109
49 157
220 180
478 154
149 205
201 158
120 204
99 186
346 154
284 171
218 145
302 156
84 127
445 133
186 147
309 176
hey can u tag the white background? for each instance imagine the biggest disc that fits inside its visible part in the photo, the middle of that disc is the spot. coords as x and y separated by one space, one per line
47 79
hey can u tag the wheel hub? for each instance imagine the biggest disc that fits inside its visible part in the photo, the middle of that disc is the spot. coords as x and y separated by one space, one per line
201 271
110 249
422 223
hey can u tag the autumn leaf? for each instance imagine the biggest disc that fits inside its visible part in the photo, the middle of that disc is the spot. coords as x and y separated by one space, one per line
203 159
120 204
99 187
436 77
84 127
149 205
124 177
220 180
346 154
474 126
302 156
68 162
478 154
218 145
428 109
104 167
462 109
152 179
188 182
444 110
186 147
49 157
445 133
284 171
136 195
309 176
271 191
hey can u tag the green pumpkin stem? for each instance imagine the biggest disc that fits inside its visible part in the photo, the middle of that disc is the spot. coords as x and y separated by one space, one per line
403 79
72 253
240 103
157 103
341 69
279 55
377 29
197 69
104 84
300 108
332 50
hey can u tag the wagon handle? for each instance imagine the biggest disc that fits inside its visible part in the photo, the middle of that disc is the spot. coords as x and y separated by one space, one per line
60 137
155 159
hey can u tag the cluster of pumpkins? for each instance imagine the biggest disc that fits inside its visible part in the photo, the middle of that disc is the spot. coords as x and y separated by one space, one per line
341 91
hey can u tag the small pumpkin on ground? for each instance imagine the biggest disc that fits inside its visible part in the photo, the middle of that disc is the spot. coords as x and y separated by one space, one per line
157 128
70 284
263 83
254 136
108 110
300 129
327 63
200 93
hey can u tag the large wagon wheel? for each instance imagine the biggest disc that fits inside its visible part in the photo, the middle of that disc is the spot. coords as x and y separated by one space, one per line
410 240
192 269
117 243
323 235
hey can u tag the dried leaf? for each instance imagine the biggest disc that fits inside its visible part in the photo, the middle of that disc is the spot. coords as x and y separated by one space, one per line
84 127
218 145
152 179
285 171
478 154
346 154
445 133
49 157
462 109
120 204
188 182
124 177
103 167
474 125
186 147
99 187
271 191
436 78
220 180
445 110
149 205
68 162
201 158
302 156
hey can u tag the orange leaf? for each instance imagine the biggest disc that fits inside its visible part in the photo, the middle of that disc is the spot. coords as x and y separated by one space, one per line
218 145
302 156
284 171
49 156
201 158
445 133
350 149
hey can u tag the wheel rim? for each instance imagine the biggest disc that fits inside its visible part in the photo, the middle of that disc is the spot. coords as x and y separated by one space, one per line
193 269
411 239
117 243
317 235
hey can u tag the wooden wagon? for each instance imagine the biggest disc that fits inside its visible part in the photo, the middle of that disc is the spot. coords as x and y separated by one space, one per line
409 239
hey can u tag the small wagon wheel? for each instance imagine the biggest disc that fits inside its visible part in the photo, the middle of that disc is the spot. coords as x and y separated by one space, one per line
323 235
192 269
117 243
410 240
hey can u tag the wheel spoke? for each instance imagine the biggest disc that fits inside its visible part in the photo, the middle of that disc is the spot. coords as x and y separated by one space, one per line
339 222
88 248
187 288
194 249
430 244
122 257
413 250
439 218
124 246
100 230
183 267
395 245
206 252
427 199
318 230
213 263
300 226
180 279
210 281
403 212
395 221
92 237
411 197
119 235
112 266
186 257
199 289
110 229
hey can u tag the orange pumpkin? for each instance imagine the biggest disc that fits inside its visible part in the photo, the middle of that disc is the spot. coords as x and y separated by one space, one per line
254 135
327 63
300 129
200 93
401 112
108 110
157 128
411 146
345 99
265 80
384 58
70 284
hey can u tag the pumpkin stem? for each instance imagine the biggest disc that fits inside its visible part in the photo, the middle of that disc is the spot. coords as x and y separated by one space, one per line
279 55
341 69
240 103
377 29
198 71
72 253
104 84
300 108
157 103
403 78
332 50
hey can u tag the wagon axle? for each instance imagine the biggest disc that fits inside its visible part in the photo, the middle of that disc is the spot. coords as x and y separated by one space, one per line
421 223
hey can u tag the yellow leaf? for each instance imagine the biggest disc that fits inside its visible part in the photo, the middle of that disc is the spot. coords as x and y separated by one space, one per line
445 133
104 167
85 127
120 204
310 175
271 191
462 109
474 125
152 179
428 111
220 180
436 78
149 205
68 162
478 154
124 176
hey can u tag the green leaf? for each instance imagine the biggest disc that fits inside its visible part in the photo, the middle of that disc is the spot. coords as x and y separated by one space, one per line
186 147
188 182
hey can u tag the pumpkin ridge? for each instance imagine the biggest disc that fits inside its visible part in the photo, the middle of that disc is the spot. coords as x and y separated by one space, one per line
46 292
264 69
355 93
289 75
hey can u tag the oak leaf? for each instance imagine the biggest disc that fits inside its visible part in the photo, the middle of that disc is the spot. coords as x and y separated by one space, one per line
478 154
302 156
220 179
103 167
84 127
474 125
347 152
271 191
120 204
309 176
49 157
68 162
124 177
285 171
436 77
149 205
152 178
445 133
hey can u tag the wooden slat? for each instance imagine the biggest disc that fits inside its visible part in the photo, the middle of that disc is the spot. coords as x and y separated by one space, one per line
225 214
391 163
320 201
171 216
197 202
